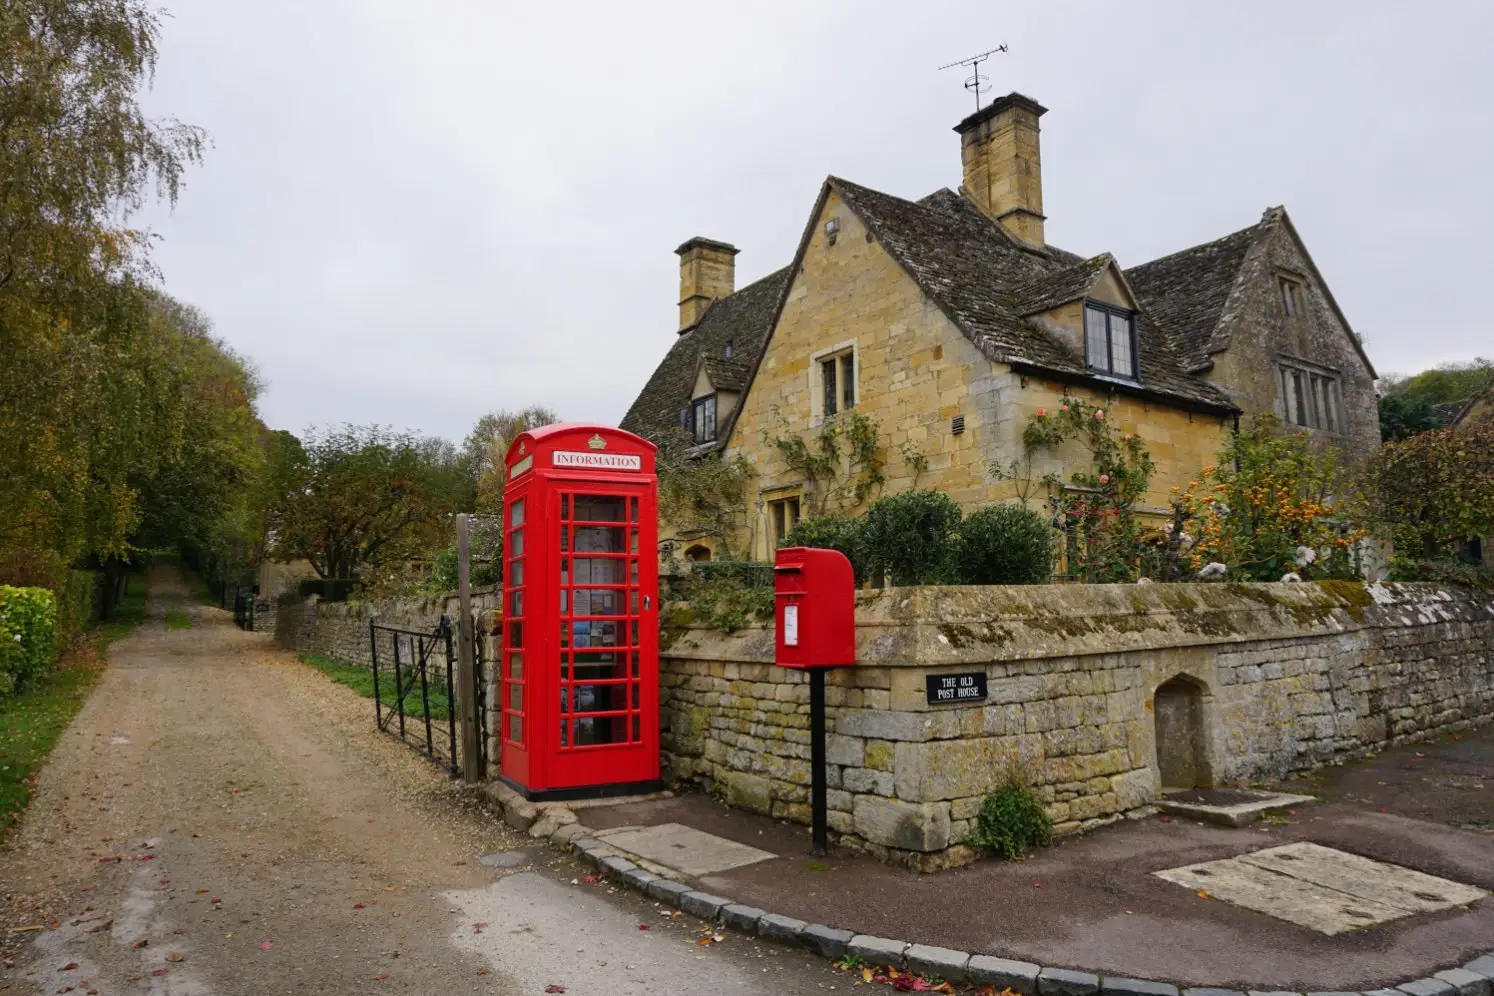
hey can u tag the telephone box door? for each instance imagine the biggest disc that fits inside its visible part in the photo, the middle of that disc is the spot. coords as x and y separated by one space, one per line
606 685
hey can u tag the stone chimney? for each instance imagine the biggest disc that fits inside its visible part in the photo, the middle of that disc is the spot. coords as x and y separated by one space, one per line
1003 170
708 271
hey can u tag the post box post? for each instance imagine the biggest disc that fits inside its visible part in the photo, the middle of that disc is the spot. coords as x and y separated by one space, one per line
815 630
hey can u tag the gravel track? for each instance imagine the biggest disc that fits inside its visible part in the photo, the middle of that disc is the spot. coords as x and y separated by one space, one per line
237 812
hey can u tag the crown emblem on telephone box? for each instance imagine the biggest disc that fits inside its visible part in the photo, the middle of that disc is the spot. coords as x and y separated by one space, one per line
596 442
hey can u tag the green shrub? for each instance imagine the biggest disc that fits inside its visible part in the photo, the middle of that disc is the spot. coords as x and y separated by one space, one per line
1441 572
1003 544
28 635
1012 821
723 600
77 605
832 532
908 537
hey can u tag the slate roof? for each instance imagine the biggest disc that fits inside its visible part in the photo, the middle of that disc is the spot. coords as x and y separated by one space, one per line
970 267
745 318
1186 292
987 283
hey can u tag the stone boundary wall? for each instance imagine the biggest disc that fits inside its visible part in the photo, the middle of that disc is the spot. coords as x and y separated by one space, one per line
1256 681
339 630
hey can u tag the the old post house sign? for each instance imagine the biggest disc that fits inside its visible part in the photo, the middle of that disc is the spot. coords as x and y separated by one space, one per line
947 689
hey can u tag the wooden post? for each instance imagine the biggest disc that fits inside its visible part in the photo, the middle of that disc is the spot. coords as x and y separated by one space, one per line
467 678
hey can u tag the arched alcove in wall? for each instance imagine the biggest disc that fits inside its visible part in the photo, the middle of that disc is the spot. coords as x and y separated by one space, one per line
1182 748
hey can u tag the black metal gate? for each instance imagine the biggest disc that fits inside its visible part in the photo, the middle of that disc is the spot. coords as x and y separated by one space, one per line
415 689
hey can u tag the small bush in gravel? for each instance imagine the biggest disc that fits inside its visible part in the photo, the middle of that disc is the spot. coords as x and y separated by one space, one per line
1012 821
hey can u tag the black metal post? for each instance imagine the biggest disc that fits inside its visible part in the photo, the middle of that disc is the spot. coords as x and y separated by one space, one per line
373 661
819 788
423 653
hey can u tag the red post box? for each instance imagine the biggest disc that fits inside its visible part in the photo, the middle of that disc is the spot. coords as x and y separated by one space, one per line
814 608
578 672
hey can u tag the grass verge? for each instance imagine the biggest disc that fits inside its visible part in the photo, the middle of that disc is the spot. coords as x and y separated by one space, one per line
360 680
32 722
178 619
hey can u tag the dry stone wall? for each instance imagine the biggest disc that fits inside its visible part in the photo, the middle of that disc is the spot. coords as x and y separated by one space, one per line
1257 681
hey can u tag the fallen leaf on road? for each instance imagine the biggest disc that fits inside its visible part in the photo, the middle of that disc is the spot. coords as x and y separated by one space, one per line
478 928
1203 894
265 945
360 906
215 899
644 926
160 971
65 989
140 943
382 975
589 879
554 989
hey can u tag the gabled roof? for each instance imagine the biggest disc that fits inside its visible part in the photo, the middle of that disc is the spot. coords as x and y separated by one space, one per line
745 318
970 267
1187 291
1059 287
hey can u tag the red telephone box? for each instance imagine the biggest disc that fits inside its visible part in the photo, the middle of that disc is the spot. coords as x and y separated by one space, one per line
579 666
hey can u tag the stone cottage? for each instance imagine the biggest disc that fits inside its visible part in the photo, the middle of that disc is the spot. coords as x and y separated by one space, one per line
949 321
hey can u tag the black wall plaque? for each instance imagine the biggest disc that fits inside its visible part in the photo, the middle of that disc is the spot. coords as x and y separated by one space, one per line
945 689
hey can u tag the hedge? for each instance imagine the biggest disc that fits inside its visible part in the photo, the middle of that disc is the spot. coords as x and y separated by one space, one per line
28 635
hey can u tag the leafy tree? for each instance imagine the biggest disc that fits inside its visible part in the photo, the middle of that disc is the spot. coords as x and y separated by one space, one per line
1403 415
1435 490
360 499
701 494
1274 505
487 444
1406 402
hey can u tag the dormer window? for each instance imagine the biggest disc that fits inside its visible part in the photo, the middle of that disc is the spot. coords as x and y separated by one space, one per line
1110 340
703 417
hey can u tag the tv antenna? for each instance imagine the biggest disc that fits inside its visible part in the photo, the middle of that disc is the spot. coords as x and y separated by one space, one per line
977 82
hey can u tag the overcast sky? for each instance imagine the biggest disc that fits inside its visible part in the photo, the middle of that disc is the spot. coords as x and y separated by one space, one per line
416 213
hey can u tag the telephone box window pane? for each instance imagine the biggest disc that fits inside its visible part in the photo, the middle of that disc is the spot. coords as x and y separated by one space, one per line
599 539
565 538
637 730
565 634
565 570
633 542
633 603
516 603
565 506
633 564
595 508
634 640
516 635
606 602
632 509
594 634
565 730
634 656
598 570
516 697
563 594
516 574
516 513
516 541
516 728
637 694
516 667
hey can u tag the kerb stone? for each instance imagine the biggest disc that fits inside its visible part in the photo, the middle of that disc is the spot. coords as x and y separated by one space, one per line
1427 987
1003 973
740 917
1466 983
668 891
947 963
827 942
877 950
1482 966
703 904
1063 982
776 927
1212 992
1137 987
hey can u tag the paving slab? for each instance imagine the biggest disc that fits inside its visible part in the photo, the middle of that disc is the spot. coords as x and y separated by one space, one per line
1377 881
1241 883
685 849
